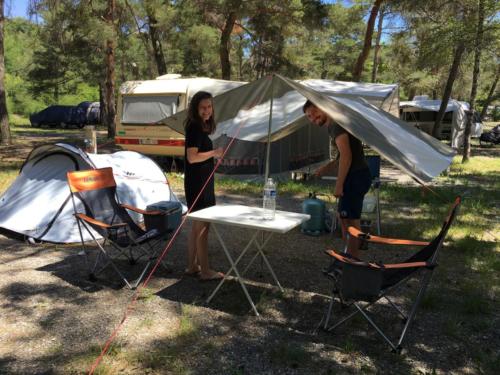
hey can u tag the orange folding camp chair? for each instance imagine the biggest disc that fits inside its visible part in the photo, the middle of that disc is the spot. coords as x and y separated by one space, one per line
360 285
105 216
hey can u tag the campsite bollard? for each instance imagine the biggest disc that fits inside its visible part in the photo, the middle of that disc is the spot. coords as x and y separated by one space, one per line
90 139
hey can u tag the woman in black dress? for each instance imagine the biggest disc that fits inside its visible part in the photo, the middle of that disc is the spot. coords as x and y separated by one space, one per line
199 157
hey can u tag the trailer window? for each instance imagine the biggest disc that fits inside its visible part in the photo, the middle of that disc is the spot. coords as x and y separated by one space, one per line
147 110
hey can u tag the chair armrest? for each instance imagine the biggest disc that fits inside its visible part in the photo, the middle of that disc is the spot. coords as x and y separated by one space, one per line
410 265
143 212
348 260
384 240
93 221
355 262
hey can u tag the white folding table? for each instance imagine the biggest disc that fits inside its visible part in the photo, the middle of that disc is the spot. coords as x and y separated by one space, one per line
250 218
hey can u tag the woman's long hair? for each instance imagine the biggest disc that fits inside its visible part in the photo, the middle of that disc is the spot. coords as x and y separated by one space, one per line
193 116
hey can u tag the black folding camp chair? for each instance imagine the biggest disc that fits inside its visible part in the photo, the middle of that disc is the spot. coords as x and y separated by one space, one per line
96 190
361 284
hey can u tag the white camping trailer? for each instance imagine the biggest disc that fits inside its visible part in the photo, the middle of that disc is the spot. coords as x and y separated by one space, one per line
38 206
142 105
422 113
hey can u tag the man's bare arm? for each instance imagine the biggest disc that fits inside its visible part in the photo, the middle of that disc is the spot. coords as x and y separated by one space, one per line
330 169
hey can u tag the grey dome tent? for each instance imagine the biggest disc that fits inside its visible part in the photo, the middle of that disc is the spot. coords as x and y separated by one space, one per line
38 206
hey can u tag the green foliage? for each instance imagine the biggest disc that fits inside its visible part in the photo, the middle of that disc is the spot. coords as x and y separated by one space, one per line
60 59
19 98
25 93
200 53
496 114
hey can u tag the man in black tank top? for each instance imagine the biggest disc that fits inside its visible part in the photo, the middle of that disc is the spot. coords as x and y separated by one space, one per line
353 177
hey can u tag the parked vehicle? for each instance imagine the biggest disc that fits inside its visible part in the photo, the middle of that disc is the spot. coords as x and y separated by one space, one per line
53 116
64 116
88 113
492 136
422 113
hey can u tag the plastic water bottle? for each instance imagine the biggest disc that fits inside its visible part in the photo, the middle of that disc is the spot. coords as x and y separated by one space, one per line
269 199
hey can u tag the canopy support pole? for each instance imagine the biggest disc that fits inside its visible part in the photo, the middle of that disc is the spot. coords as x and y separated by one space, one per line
268 150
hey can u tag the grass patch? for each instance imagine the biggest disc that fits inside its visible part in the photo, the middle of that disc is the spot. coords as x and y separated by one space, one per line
473 300
187 327
349 346
18 120
290 355
146 323
431 300
265 302
82 363
172 357
163 360
8 173
487 359
146 294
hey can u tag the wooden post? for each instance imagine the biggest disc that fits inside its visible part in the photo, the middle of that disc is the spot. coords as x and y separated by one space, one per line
90 139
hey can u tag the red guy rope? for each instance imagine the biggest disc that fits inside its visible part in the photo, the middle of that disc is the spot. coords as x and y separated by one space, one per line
135 296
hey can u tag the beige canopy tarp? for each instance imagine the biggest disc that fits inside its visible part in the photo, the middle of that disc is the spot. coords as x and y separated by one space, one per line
414 152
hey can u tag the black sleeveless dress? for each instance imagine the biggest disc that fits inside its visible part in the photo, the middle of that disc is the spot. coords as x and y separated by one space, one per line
197 174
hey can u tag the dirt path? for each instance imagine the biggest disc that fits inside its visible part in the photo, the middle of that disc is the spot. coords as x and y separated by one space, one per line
53 320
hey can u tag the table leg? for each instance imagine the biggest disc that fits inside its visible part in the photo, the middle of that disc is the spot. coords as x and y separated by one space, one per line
267 262
233 267
264 243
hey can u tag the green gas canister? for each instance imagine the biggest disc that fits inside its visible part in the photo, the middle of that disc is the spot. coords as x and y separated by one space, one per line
316 209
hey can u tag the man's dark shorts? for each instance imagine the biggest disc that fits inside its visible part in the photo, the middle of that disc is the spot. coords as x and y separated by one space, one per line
356 185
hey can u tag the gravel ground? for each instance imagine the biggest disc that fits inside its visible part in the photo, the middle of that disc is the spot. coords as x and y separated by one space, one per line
52 320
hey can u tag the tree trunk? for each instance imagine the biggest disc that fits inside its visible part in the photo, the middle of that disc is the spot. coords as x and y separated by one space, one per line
5 138
154 34
436 131
490 97
475 79
225 45
240 59
376 52
358 68
103 112
145 40
109 90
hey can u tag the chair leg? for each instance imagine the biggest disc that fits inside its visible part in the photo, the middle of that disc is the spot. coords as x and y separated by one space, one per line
405 318
329 313
367 317
413 312
378 212
117 270
342 321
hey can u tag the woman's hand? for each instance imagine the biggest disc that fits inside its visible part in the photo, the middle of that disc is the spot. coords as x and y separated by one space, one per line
339 190
218 152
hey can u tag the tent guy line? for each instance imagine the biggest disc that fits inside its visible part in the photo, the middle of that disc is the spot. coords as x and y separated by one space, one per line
130 306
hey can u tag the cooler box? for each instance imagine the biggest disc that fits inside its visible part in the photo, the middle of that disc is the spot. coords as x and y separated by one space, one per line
164 223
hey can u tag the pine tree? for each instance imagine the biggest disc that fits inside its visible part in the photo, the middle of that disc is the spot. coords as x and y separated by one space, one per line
5 138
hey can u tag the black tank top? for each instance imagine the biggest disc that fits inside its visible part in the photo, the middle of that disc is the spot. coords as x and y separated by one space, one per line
358 155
